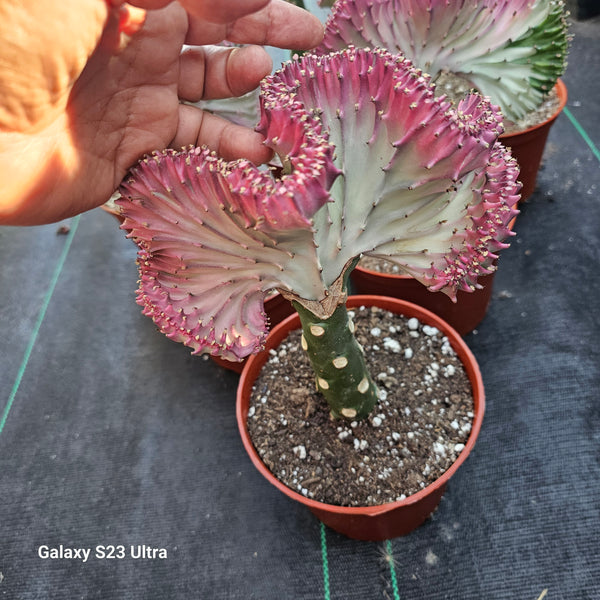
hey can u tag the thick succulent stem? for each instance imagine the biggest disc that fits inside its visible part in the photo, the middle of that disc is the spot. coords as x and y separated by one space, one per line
338 361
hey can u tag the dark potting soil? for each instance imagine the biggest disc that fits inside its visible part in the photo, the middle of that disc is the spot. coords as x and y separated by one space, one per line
416 432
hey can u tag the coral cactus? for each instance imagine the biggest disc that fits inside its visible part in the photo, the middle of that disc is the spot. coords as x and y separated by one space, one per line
510 50
371 163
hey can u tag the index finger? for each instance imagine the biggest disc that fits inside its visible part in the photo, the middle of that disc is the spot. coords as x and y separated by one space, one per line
278 23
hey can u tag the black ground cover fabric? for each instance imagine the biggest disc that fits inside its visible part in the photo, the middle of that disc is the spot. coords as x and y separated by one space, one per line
114 435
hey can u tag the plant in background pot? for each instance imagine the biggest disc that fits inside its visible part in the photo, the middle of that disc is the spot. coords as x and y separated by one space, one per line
512 51
371 163
383 278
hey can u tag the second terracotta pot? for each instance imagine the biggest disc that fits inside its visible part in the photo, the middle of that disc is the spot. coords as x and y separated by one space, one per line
463 315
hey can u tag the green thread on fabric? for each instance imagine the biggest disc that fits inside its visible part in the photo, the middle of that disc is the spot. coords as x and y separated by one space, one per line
38 324
390 553
582 132
325 562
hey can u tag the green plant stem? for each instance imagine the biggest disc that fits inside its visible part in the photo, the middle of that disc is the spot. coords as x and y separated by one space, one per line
339 363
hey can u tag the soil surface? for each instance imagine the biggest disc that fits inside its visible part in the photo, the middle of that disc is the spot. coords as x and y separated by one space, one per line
380 265
416 432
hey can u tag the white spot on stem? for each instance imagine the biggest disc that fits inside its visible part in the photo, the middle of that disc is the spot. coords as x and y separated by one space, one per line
317 330
363 386
340 362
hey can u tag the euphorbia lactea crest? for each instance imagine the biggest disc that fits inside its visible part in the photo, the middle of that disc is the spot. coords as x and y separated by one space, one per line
510 50
371 163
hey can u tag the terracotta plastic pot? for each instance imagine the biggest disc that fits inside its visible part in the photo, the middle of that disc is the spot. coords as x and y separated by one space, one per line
464 315
527 146
387 520
277 309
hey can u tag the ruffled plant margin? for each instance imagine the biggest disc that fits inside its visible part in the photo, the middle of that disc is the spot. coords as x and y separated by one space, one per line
371 163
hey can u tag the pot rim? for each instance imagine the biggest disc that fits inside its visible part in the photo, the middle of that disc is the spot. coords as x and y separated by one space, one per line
280 331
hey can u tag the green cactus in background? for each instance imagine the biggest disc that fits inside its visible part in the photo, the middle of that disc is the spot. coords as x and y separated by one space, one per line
510 50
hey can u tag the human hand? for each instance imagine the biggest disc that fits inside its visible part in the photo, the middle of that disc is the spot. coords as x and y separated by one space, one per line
94 101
